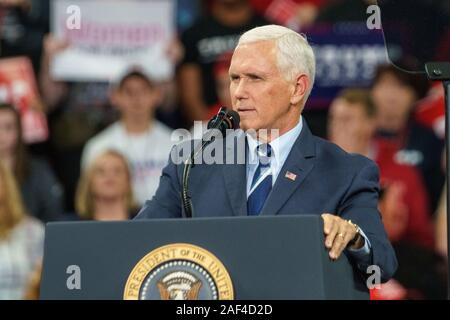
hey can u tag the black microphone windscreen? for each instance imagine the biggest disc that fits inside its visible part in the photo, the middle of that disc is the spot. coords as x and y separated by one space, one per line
224 119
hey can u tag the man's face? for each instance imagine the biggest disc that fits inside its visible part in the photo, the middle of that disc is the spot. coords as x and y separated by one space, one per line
136 97
259 92
349 126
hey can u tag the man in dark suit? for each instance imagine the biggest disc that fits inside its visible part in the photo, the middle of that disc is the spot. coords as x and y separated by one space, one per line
284 169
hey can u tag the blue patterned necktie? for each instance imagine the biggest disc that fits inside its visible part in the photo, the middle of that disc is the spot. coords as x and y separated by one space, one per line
262 181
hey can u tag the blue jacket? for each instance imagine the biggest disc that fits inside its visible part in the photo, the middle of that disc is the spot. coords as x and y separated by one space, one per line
328 180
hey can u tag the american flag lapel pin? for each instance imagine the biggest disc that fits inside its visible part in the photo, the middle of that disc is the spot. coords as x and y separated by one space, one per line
291 176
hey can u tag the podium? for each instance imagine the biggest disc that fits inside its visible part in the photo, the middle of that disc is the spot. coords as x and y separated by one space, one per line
245 258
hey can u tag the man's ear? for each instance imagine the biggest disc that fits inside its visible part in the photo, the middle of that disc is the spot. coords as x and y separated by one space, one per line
301 86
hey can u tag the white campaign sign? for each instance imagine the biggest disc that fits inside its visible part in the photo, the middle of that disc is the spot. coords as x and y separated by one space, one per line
107 36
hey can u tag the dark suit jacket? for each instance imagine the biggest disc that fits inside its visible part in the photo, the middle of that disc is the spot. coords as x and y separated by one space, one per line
327 180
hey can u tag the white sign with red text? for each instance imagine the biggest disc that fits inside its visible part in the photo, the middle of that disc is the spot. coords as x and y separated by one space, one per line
108 36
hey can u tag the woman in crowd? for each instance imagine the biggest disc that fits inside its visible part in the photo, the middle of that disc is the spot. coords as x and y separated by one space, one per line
21 240
41 192
104 191
395 94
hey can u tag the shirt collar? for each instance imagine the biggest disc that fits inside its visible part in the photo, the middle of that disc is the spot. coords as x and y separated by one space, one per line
281 146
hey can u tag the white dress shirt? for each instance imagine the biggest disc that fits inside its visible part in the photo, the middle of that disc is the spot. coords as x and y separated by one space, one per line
281 147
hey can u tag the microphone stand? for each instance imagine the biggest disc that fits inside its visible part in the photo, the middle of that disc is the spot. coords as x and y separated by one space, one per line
441 71
189 163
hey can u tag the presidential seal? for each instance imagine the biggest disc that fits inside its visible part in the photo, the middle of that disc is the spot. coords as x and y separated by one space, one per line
179 272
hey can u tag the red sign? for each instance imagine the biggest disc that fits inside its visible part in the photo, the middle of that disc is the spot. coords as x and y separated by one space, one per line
18 87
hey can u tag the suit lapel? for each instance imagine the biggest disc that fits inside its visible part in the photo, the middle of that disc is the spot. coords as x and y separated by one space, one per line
299 163
235 174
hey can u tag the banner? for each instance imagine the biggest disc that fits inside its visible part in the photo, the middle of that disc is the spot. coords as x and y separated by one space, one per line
347 55
18 87
106 37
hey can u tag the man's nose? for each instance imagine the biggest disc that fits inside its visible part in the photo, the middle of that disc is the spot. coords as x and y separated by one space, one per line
240 91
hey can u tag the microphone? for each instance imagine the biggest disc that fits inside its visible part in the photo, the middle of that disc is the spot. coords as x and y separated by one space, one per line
224 120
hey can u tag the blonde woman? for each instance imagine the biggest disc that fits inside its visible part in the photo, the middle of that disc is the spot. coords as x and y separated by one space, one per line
21 240
104 190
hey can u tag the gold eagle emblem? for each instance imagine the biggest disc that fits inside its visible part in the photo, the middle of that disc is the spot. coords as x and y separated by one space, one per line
180 285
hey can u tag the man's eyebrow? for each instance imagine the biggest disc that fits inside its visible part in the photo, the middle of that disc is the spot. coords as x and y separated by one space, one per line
254 74
248 74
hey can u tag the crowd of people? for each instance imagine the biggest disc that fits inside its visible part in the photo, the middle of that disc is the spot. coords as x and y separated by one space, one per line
109 142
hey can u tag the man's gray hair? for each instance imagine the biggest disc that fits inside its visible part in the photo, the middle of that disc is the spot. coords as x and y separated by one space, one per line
294 55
